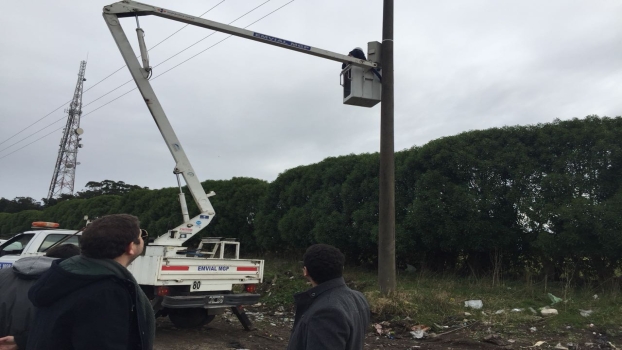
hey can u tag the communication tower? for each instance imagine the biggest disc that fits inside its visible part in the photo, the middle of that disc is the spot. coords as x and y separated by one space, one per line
66 163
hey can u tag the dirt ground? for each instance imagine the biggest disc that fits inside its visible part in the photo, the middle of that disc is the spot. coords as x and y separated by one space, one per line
272 329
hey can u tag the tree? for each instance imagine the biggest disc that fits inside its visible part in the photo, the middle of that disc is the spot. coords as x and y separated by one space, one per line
19 204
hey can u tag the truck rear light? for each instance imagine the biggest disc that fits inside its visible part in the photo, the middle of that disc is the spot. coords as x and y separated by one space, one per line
250 288
162 291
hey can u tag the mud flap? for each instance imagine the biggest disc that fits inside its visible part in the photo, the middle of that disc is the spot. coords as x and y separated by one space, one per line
244 320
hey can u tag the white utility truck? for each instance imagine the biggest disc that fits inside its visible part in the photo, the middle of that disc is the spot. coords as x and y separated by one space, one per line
192 285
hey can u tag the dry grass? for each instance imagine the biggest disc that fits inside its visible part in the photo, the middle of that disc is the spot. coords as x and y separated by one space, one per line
430 299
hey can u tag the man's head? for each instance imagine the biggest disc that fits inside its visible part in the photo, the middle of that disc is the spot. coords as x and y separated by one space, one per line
323 262
63 251
116 236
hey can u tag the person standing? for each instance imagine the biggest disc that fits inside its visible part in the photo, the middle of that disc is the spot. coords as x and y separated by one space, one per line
329 315
16 311
92 301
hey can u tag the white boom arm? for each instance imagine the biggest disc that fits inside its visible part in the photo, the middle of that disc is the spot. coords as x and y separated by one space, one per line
128 8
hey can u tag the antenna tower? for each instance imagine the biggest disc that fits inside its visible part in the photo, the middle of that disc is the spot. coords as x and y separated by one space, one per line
65 169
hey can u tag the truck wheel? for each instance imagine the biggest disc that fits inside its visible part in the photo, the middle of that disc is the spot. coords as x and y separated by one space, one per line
189 318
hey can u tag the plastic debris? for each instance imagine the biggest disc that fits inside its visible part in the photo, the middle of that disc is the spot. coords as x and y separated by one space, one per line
419 331
378 328
538 343
533 329
548 312
474 304
499 312
595 296
467 314
560 347
517 310
585 313
554 299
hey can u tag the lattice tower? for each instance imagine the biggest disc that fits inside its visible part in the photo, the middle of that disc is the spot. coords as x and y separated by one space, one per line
66 163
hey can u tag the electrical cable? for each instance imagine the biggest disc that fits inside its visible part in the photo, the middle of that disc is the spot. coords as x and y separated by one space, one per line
215 32
127 92
108 76
200 52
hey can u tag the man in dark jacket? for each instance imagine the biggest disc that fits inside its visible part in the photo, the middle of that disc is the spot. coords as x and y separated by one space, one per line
356 53
329 315
92 301
16 311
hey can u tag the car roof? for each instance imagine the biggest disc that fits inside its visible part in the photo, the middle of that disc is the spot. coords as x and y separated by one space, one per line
65 232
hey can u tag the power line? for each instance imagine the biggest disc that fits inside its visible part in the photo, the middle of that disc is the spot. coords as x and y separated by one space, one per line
167 59
154 46
159 64
200 52
127 92
55 130
203 14
108 76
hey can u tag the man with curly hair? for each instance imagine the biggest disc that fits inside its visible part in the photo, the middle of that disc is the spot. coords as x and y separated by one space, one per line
329 315
92 301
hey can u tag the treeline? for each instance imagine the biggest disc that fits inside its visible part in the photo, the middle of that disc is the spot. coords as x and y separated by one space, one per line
524 200
92 189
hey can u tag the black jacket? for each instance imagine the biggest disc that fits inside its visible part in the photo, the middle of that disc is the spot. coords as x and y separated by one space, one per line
329 316
16 311
93 311
356 53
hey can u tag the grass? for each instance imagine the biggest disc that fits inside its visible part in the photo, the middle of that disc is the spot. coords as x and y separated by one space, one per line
439 299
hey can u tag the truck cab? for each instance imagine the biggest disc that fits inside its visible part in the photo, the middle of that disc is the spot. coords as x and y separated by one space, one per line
31 243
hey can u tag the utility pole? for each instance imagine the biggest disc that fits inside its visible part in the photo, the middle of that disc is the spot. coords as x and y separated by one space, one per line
65 169
386 228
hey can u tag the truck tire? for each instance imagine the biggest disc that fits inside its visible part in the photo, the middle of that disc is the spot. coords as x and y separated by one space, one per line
189 318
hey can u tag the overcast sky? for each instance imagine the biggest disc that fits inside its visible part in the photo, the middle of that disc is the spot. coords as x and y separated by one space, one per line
248 109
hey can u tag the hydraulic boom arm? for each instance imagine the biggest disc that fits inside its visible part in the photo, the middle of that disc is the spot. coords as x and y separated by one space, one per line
112 13
129 8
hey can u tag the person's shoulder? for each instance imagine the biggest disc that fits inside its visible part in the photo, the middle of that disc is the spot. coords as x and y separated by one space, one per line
356 292
106 289
6 272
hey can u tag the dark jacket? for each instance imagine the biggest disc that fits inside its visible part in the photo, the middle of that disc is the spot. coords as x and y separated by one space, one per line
329 316
16 311
356 53
83 306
